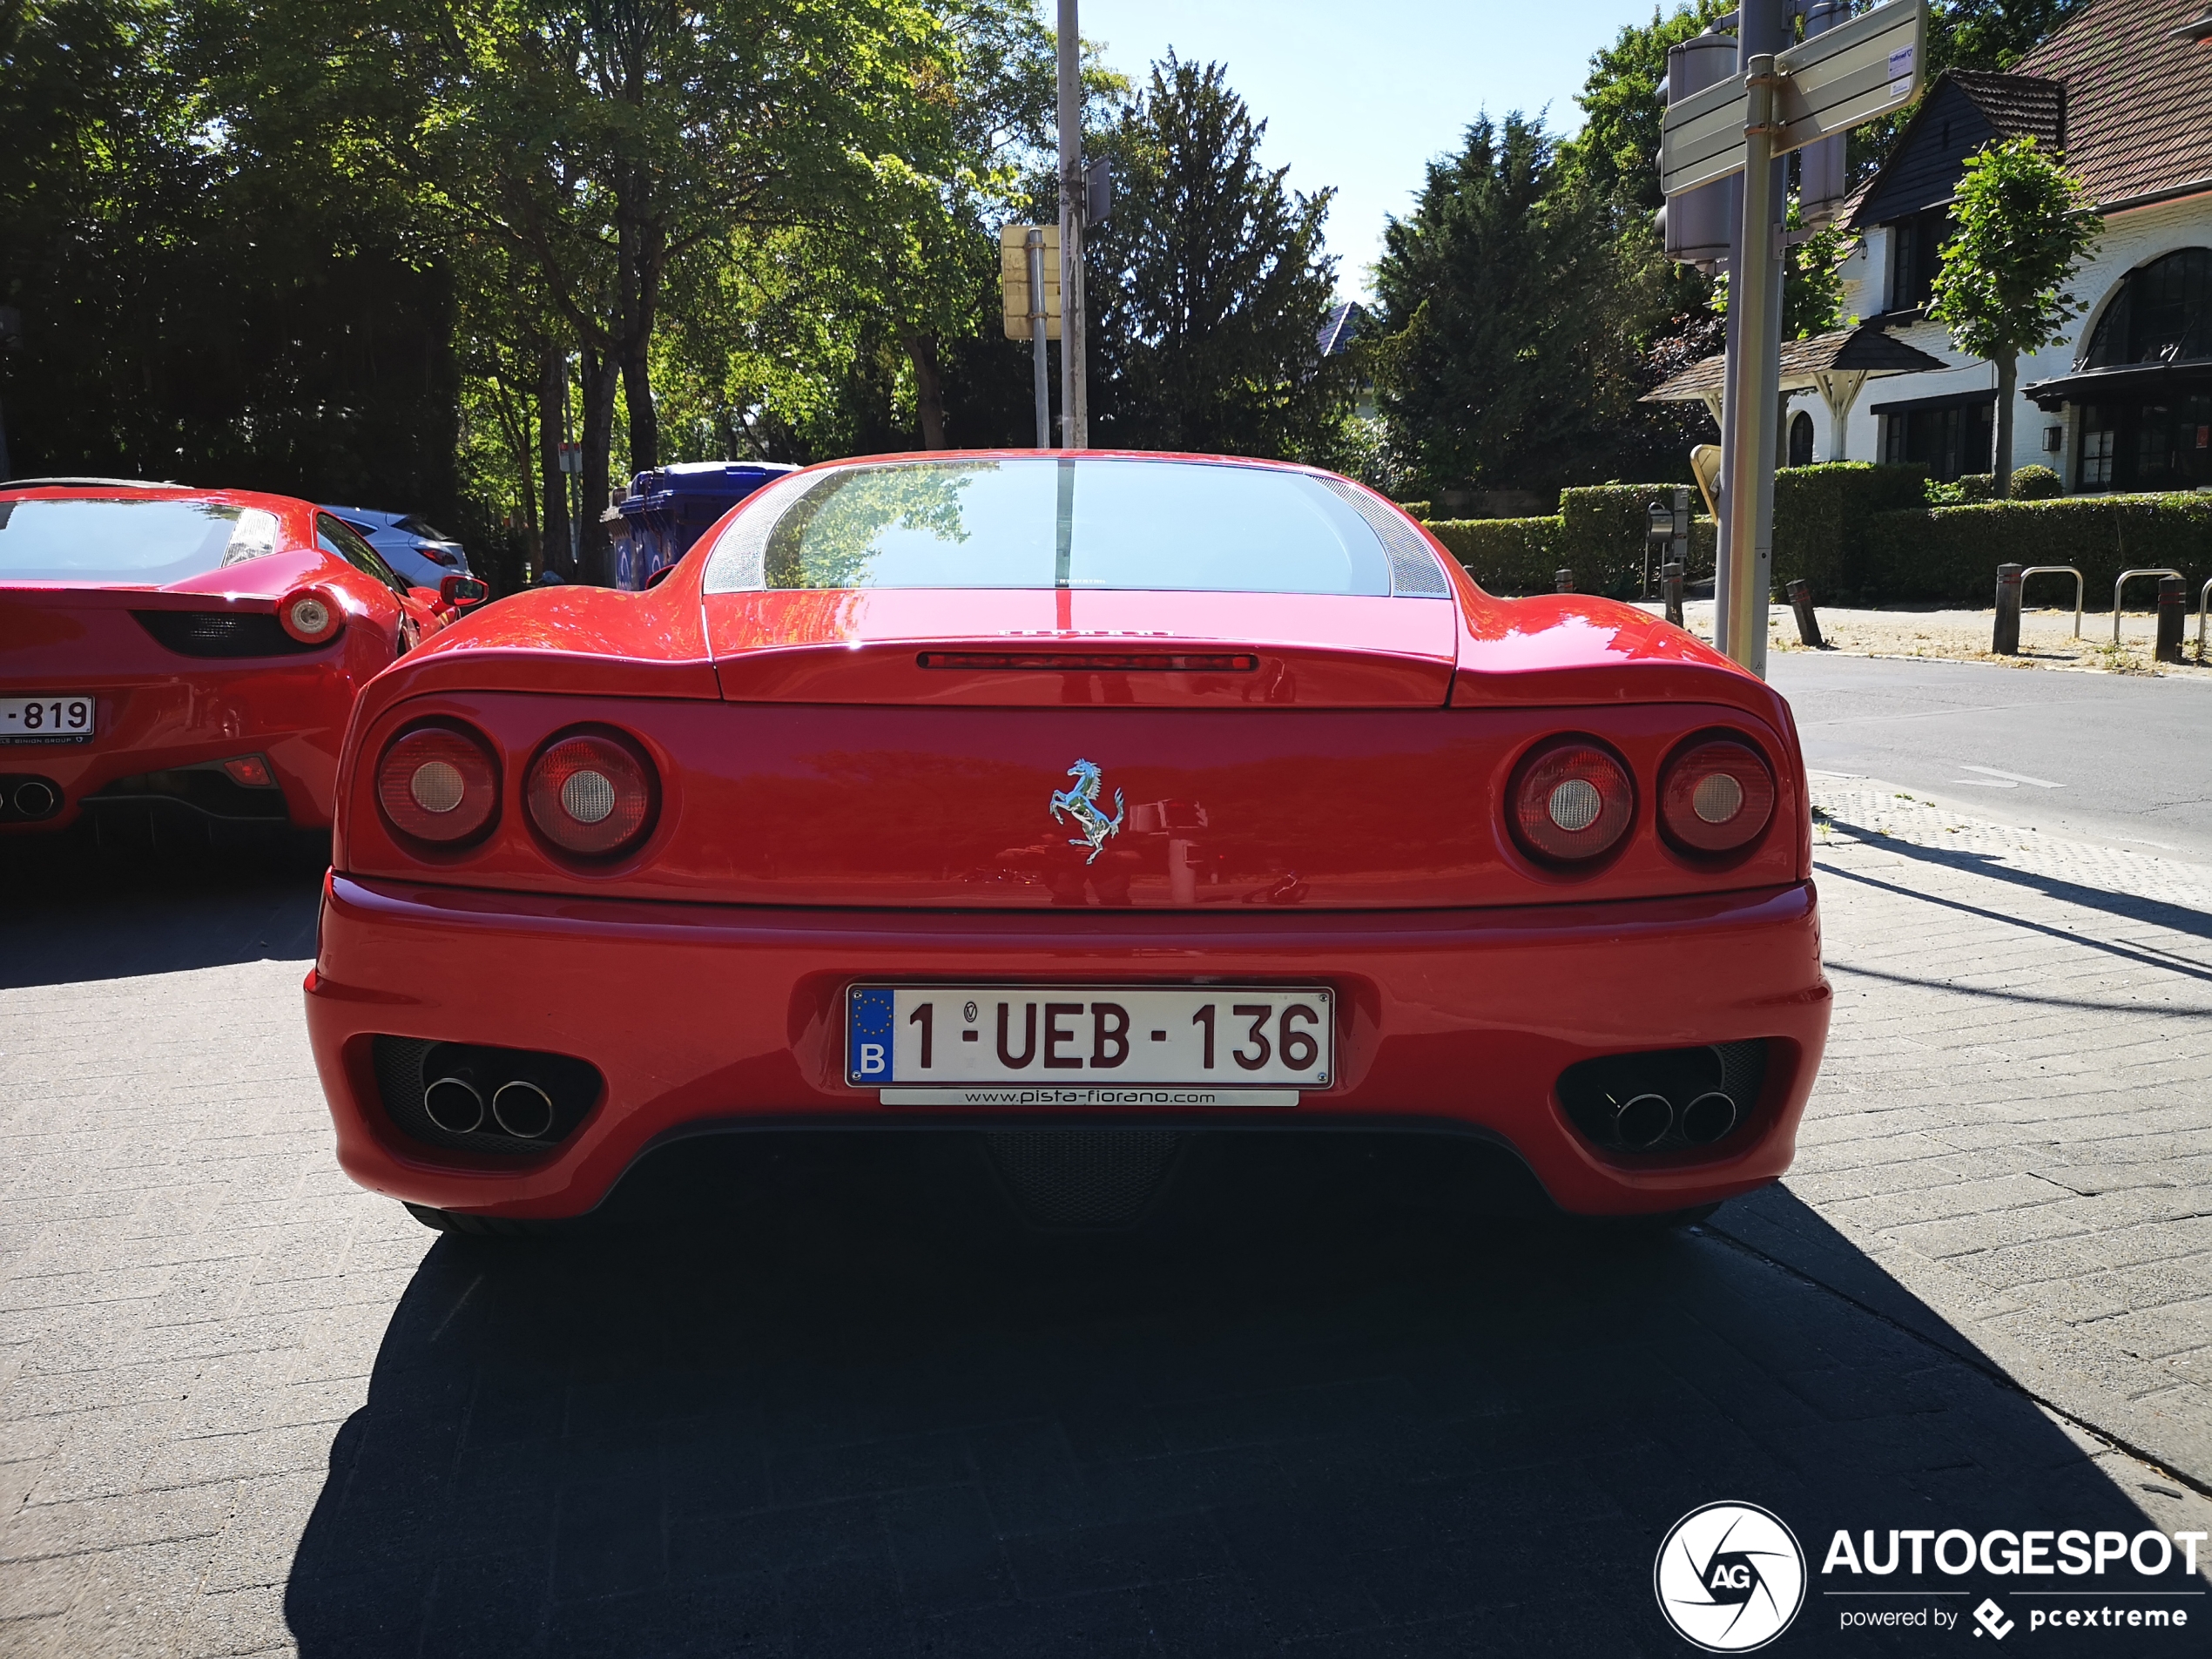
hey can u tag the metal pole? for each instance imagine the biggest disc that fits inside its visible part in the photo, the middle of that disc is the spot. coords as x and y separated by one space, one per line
2005 636
1038 322
2172 619
1752 371
1075 405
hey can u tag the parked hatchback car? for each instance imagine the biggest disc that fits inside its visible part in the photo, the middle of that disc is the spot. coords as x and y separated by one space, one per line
420 551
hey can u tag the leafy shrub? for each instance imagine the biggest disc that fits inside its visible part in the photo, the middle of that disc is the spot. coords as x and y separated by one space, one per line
1973 486
1414 509
1951 554
2036 483
1504 556
1521 555
1820 516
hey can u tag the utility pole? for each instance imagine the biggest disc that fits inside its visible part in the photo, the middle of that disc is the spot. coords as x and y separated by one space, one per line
1784 97
1075 406
1754 289
1033 249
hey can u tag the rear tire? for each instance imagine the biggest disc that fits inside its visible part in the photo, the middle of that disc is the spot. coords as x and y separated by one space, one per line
1658 1225
464 1225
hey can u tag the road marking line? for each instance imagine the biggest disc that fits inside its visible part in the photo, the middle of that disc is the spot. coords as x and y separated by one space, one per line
2017 776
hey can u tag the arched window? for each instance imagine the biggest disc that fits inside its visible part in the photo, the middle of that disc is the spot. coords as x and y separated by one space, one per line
1801 439
2161 314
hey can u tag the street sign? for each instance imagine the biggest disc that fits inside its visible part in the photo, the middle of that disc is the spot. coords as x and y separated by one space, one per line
1701 138
1014 278
1853 74
1831 84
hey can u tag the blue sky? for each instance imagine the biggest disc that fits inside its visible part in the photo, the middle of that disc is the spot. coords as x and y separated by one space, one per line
1359 95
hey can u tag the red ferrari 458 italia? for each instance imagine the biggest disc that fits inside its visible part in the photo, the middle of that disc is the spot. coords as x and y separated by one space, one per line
1029 791
170 653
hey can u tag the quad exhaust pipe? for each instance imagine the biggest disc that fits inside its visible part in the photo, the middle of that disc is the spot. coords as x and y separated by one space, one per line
1643 1121
518 1107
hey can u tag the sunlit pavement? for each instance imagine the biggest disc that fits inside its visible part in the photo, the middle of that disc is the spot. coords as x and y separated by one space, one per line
1358 1398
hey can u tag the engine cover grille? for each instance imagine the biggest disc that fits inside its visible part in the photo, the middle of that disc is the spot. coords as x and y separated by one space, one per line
1084 1177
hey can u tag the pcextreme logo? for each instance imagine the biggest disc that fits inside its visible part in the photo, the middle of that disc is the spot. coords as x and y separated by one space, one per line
1729 1577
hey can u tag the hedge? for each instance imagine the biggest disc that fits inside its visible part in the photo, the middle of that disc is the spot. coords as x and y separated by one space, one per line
1951 554
1597 533
1858 533
1820 516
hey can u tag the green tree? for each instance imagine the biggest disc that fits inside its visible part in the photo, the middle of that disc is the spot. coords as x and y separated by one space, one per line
1515 322
606 142
1209 288
1622 107
2022 224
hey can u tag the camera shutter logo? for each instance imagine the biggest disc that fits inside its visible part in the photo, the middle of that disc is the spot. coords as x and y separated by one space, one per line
1729 1577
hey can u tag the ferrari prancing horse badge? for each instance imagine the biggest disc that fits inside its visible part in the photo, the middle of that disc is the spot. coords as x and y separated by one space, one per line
1081 804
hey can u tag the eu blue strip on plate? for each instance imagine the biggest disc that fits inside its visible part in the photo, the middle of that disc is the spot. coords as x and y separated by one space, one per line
867 1035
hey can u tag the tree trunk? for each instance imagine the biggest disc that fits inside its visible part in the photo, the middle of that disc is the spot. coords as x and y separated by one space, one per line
929 389
637 292
2001 461
597 376
515 426
553 483
638 406
639 248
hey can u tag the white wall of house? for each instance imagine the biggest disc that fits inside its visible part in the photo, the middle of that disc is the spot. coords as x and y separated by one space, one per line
2131 238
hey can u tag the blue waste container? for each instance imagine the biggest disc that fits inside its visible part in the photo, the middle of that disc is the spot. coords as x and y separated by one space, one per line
668 509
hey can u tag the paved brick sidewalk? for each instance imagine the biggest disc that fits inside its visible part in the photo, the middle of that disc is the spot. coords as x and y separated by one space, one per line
784 1404
2015 1119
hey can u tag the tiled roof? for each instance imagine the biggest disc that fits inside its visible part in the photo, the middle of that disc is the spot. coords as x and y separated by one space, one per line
1844 351
2139 96
1922 167
1342 327
2018 105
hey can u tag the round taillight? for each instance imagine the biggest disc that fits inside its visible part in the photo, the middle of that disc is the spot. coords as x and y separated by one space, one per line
309 615
437 785
591 793
1572 801
1717 797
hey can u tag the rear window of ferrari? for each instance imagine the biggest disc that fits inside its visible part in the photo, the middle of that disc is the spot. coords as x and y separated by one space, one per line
152 543
1065 521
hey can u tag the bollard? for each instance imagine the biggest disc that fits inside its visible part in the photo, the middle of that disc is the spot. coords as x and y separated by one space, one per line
2172 617
1671 589
1563 581
2006 642
1808 625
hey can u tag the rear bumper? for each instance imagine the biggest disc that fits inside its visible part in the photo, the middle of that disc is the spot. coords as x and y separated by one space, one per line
710 1017
292 718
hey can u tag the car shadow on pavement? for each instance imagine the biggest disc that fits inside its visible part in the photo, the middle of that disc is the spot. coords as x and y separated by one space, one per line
1345 1395
78 910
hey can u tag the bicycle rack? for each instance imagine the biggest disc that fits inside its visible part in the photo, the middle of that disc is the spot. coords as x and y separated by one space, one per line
2081 587
2125 576
2203 602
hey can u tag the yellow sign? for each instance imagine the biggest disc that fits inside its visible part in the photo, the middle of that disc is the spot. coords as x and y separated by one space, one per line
1014 278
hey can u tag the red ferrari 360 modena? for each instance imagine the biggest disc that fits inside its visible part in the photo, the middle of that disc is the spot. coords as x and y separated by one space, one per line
170 652
1029 791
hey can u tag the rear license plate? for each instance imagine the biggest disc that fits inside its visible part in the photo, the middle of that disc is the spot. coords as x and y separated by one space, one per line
46 719
1098 1044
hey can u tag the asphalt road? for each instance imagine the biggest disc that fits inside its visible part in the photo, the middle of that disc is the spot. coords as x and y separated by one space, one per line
2118 757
